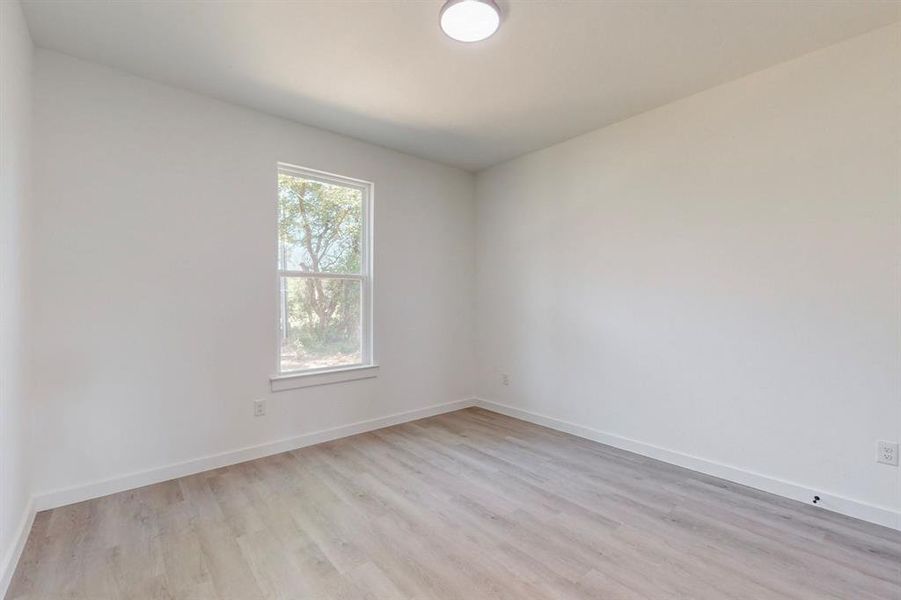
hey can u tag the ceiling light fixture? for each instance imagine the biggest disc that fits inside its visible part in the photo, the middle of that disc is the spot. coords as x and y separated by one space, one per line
470 20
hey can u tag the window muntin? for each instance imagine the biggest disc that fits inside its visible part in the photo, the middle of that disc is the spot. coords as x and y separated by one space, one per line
324 275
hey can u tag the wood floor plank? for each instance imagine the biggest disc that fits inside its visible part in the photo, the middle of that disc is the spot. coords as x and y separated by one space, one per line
467 505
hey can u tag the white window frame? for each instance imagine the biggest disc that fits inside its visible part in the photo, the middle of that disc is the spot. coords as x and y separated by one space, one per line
366 368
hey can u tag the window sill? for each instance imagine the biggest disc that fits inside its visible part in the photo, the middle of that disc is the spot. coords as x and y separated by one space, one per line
293 381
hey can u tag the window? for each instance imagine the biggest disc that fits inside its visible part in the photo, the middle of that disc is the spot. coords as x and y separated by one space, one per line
325 282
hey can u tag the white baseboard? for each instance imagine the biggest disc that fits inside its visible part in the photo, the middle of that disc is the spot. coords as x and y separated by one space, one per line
11 559
61 497
853 508
96 489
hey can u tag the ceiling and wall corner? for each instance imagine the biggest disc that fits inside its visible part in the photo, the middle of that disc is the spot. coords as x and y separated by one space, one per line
384 72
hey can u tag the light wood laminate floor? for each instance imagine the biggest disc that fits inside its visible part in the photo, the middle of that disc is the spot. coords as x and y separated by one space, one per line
467 505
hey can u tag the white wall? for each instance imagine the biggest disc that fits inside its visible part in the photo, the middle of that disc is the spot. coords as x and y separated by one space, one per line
16 53
155 305
718 277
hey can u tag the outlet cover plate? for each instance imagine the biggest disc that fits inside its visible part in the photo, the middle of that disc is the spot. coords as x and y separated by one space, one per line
259 408
887 453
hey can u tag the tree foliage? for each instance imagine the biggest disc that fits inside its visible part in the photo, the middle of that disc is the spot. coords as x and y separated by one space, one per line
320 231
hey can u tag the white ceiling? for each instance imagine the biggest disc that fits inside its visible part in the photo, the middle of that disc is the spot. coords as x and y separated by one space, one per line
382 71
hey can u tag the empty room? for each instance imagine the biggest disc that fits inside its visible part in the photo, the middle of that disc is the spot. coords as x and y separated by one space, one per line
450 299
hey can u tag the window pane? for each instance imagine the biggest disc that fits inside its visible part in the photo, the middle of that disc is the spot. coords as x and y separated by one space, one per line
320 323
320 226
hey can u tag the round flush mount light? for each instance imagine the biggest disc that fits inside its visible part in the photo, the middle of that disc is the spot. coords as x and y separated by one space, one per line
470 20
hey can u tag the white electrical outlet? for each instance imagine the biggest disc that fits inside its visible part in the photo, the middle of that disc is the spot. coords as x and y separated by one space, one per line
259 408
505 379
887 452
